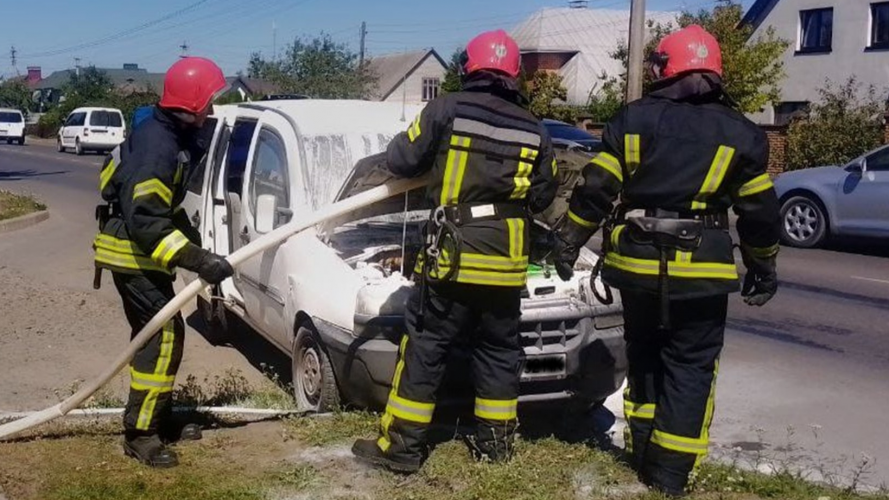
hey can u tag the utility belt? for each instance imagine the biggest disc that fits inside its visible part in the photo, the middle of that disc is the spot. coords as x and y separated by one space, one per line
104 213
667 231
443 234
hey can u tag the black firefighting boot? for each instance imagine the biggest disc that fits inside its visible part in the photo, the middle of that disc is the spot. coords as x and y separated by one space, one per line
494 441
405 444
150 450
177 431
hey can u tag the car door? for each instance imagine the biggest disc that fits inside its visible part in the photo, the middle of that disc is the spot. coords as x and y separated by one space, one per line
262 280
863 197
65 133
196 188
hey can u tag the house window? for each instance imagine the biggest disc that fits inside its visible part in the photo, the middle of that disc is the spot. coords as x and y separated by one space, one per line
816 30
786 111
879 20
431 87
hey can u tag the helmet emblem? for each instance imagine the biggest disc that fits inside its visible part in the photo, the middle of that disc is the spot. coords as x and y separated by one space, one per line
500 51
703 51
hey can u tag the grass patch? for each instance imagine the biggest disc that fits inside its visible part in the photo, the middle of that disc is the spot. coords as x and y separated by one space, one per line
337 427
14 205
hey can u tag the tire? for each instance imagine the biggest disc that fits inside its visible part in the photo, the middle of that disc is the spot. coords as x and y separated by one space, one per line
803 222
21 141
59 147
78 148
215 319
314 384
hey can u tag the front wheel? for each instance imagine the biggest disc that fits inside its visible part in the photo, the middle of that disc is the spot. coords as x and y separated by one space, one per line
59 147
803 222
314 384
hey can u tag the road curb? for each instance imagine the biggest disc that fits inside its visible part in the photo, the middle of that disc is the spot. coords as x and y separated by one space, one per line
23 221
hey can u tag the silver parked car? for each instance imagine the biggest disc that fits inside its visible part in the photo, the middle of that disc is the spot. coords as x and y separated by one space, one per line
836 201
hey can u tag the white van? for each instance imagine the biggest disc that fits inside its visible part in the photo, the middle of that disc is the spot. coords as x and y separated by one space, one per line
333 297
12 126
92 129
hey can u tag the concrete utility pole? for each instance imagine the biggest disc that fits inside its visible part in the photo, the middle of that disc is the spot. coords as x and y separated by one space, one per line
637 50
363 34
13 57
274 40
184 48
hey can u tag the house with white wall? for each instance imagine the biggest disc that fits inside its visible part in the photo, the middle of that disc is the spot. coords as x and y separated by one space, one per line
412 77
829 39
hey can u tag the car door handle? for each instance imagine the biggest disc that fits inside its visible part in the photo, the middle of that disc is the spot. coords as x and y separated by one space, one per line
244 235
196 219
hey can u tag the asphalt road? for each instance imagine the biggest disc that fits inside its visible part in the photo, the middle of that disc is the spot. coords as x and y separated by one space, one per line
802 382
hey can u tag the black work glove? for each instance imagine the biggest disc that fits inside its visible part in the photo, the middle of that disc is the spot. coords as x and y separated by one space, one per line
569 238
761 281
210 267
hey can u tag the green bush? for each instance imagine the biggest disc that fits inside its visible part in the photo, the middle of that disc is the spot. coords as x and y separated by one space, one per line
843 125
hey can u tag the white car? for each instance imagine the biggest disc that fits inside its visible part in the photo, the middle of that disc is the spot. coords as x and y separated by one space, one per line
333 297
12 126
92 129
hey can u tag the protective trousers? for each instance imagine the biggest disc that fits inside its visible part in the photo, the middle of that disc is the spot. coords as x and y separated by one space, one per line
153 369
671 385
489 317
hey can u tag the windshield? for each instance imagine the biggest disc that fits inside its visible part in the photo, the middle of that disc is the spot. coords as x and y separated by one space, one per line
10 117
105 119
559 131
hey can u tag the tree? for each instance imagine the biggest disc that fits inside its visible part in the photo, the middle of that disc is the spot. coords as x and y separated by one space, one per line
844 124
753 69
453 82
15 94
545 90
605 100
89 85
319 68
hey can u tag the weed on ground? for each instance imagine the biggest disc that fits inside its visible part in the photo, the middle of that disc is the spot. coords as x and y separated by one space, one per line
16 205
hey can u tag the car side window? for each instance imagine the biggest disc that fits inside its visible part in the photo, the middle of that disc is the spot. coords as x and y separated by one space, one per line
76 120
196 176
238 149
878 161
269 174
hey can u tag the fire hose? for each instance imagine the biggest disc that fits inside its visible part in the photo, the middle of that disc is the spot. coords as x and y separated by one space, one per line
181 299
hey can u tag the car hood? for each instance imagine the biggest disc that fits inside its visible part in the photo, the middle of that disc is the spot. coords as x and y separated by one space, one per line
817 175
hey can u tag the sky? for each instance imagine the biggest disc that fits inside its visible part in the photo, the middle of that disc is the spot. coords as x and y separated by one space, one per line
150 33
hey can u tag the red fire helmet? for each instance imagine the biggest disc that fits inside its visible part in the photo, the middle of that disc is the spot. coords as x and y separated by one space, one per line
493 51
191 84
689 49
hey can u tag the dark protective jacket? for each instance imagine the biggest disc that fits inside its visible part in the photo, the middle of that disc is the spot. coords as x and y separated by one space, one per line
483 148
681 149
144 180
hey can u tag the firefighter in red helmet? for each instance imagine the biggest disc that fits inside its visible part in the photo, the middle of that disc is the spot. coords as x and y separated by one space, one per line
144 236
492 164
679 158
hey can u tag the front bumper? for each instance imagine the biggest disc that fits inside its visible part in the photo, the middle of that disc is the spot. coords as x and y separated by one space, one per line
569 354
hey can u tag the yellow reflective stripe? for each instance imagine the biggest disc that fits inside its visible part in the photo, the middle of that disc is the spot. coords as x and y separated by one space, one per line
615 237
496 409
412 411
454 171
169 247
632 154
151 382
522 177
555 168
641 411
580 221
117 244
684 257
708 414
166 350
153 186
764 252
386 421
121 256
492 278
106 174
707 270
147 410
414 131
609 163
516 238
494 263
682 444
755 186
715 175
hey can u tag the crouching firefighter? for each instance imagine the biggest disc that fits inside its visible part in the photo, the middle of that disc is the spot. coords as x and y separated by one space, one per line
144 236
678 159
492 163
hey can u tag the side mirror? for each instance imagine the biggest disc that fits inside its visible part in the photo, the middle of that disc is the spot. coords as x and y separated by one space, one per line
266 213
859 166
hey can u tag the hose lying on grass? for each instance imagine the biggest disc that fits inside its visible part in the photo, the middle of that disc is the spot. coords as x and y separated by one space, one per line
262 244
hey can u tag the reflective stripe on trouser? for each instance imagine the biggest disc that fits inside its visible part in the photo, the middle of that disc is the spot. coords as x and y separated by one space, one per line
153 369
453 310
671 384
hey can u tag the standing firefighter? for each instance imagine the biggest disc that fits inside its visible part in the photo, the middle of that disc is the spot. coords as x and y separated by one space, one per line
491 162
678 159
144 235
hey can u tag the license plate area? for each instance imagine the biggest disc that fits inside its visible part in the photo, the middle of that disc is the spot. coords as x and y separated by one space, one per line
544 367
